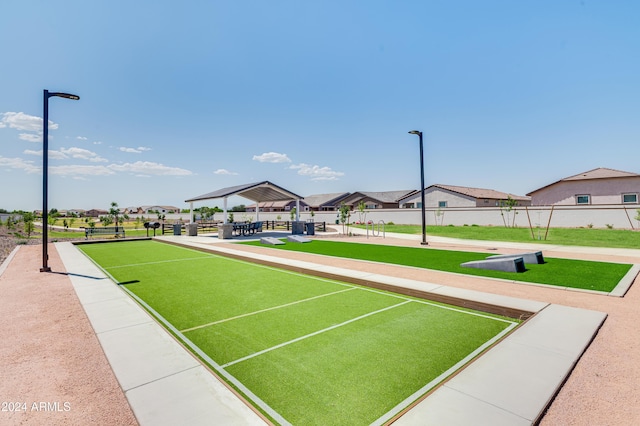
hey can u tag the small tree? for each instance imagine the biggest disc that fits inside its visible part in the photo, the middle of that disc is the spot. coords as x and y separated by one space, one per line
51 220
106 220
506 208
362 214
72 220
28 218
115 215
292 213
344 216
638 217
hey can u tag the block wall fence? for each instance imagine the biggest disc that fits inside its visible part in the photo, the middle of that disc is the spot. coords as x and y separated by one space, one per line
620 217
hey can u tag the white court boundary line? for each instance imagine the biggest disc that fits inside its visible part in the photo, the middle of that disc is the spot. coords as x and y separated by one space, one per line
160 262
315 333
266 310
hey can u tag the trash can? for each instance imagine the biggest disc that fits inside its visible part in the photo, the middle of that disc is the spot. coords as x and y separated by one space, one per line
192 229
177 229
311 228
297 228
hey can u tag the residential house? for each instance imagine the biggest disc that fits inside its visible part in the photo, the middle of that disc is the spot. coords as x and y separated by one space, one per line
374 200
324 202
158 209
277 206
599 186
95 213
443 196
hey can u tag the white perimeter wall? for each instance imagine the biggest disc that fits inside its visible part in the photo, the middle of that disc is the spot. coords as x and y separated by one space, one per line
621 217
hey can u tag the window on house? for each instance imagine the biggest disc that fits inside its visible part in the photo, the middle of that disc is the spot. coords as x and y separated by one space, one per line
419 205
442 204
583 199
630 198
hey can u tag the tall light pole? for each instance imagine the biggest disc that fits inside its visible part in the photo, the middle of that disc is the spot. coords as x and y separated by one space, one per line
45 173
424 220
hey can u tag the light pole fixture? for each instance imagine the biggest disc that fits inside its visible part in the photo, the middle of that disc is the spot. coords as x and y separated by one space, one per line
424 220
45 172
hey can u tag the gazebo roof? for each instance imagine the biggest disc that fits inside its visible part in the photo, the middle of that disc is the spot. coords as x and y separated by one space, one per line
258 192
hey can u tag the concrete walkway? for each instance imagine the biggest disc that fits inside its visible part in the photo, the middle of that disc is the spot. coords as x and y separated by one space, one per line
510 384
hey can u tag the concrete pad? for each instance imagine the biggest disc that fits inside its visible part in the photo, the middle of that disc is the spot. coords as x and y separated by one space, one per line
114 314
522 374
534 257
271 241
452 408
298 239
144 353
159 403
515 264
625 283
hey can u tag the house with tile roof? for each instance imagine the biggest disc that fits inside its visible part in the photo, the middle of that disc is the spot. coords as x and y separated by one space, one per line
375 200
317 202
444 196
325 202
599 186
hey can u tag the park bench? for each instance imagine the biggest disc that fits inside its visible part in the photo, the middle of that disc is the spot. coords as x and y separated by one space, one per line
117 231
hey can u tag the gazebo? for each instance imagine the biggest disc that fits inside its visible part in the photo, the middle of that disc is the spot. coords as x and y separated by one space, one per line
259 192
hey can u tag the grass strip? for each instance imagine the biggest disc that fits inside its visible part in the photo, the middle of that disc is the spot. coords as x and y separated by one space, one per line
587 237
581 274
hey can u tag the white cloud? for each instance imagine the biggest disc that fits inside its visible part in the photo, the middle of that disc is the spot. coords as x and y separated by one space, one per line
31 137
97 143
137 150
82 138
77 170
24 122
149 168
224 172
316 172
83 154
56 155
19 163
272 157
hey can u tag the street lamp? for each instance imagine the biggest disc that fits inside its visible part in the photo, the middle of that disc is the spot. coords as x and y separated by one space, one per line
424 223
45 172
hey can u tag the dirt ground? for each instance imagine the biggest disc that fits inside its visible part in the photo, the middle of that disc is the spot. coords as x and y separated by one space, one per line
52 368
50 355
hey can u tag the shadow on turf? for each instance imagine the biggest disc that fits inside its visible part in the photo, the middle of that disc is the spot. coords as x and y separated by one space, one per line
129 282
78 275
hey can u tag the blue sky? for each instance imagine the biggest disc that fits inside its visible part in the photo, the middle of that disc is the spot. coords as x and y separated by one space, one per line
183 98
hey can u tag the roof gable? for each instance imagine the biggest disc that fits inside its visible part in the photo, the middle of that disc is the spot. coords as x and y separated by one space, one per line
599 173
478 193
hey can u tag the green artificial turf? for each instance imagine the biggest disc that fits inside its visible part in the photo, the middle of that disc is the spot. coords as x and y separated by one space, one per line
582 274
316 351
588 237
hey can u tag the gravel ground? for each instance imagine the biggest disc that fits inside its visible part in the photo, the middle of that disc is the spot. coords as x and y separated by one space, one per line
52 368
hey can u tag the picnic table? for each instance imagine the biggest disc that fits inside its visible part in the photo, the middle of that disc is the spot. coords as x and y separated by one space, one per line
246 228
